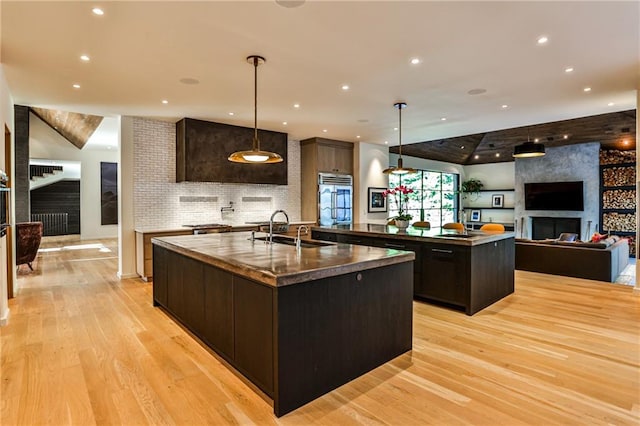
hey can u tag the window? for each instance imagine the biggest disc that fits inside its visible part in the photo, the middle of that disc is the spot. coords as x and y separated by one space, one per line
433 198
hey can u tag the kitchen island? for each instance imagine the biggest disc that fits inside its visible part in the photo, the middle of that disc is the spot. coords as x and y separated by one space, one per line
468 271
296 322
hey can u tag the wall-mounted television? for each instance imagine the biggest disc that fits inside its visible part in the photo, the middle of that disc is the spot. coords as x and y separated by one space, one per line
554 196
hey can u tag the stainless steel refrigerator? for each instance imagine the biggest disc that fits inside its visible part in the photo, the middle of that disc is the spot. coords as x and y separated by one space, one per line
335 197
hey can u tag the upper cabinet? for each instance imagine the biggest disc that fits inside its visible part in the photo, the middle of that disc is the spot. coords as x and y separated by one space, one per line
329 156
202 149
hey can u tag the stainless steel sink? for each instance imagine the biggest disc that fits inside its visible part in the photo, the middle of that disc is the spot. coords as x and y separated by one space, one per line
292 242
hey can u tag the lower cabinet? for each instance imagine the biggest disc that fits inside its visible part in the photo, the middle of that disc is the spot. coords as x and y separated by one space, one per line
231 314
445 273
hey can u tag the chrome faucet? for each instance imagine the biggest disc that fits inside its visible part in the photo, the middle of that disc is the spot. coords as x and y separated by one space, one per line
306 231
271 223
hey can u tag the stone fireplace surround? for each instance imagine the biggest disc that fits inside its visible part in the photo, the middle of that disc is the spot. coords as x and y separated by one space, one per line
568 163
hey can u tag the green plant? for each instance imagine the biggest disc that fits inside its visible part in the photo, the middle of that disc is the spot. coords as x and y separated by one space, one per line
471 187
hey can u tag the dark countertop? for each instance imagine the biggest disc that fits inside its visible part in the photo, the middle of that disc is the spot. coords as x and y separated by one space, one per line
280 264
432 235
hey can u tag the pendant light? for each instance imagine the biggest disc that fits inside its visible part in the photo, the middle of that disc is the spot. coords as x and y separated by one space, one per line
255 155
528 149
399 170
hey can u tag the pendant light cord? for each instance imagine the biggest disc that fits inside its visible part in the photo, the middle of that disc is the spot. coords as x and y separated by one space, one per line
256 142
400 130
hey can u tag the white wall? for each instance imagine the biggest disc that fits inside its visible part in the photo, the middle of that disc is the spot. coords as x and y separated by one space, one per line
372 160
6 119
46 143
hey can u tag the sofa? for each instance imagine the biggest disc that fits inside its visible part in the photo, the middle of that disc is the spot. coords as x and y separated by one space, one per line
602 261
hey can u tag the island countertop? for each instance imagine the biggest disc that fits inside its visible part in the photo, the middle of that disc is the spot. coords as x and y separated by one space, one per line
279 264
435 235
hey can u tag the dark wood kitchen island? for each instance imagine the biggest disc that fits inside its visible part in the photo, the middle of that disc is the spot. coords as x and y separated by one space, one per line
467 271
297 323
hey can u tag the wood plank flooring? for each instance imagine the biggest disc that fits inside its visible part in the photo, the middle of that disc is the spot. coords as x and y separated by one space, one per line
83 347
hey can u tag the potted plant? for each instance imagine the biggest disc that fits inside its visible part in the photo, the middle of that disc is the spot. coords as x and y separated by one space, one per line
471 187
400 194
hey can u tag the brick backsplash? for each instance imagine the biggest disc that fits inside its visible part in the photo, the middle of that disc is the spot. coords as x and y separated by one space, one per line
162 203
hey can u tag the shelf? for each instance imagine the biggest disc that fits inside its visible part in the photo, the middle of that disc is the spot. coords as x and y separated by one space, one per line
626 187
487 208
610 166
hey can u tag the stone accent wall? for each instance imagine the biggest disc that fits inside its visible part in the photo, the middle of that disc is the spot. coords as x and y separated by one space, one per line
561 164
21 166
161 203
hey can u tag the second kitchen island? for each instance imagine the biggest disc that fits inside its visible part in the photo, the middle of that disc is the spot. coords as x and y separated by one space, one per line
468 271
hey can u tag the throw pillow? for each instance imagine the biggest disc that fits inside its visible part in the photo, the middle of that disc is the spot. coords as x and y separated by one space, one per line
567 236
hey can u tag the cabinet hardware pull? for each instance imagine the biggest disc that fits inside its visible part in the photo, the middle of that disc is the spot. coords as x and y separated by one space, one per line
442 251
399 246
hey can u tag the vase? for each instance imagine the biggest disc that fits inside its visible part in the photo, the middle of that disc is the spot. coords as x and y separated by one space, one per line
402 225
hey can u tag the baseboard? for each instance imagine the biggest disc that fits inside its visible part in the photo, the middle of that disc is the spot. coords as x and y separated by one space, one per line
126 276
5 319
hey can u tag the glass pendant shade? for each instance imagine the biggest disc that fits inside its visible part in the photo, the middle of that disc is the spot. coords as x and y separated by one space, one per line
400 169
255 155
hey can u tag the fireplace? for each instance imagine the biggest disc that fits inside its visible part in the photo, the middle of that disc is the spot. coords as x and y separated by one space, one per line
552 227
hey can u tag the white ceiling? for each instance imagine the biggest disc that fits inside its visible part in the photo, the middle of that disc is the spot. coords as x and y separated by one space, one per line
141 50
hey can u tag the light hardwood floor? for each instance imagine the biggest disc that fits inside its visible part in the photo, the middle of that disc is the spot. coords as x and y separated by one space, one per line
83 347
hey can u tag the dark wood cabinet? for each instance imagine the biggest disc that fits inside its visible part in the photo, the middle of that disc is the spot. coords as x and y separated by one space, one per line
160 255
445 273
218 310
202 149
253 331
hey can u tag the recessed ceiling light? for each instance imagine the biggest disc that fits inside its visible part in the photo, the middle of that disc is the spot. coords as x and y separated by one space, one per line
231 113
284 123
415 61
568 69
358 136
164 101
477 91
443 119
189 80
536 139
296 105
85 58
505 106
461 146
386 142
476 157
97 11
395 129
543 39
497 154
626 142
610 104
345 87
324 130
76 86
587 89
565 137
289 4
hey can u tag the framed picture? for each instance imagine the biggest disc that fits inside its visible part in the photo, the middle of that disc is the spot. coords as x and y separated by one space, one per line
475 216
497 200
377 202
108 193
